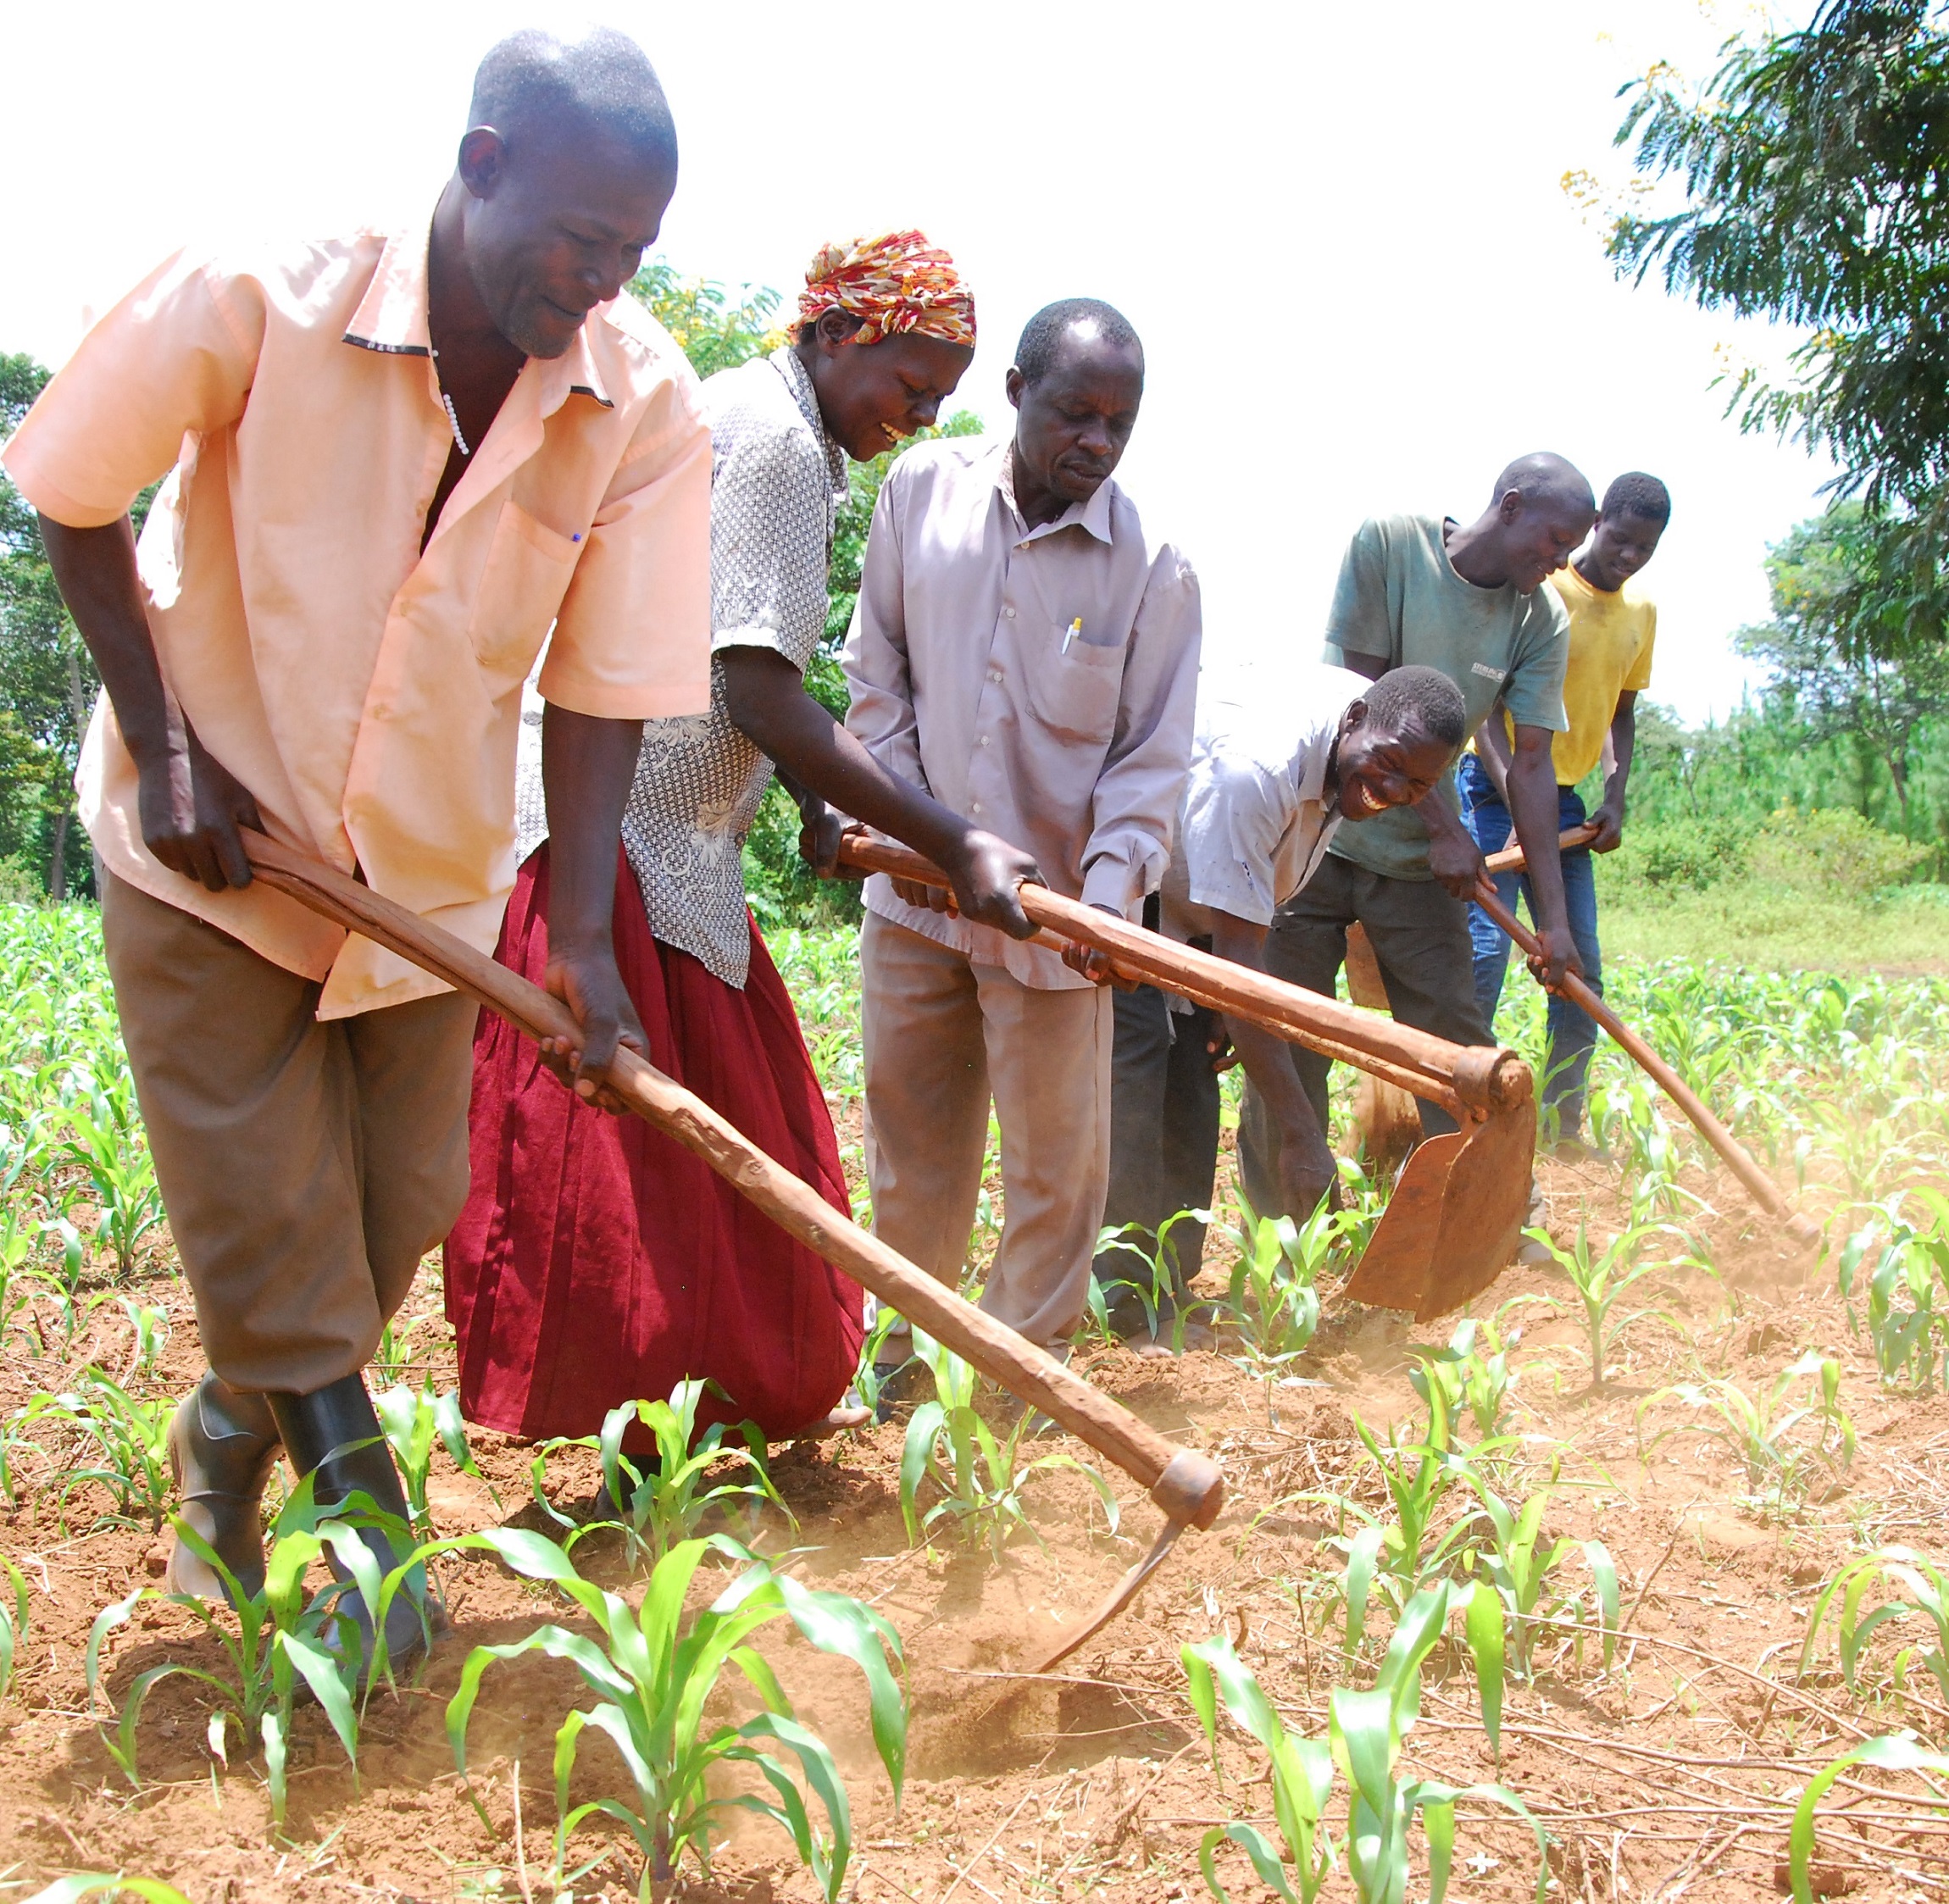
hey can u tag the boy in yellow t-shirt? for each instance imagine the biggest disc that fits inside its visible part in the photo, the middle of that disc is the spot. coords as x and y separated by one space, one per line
1613 626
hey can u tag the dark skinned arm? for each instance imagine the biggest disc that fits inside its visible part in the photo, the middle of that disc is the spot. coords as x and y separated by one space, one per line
1619 743
1492 749
1305 1170
587 765
190 805
816 757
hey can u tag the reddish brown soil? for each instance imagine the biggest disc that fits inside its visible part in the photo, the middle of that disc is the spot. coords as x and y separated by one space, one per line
1673 1773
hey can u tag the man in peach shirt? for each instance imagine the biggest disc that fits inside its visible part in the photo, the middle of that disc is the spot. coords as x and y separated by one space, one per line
398 459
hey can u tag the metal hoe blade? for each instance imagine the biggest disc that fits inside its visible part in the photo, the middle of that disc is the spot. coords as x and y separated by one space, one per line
1449 1229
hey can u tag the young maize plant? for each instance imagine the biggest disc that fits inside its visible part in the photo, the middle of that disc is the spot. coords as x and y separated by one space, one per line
1894 1752
653 1671
1903 1260
1755 1431
1928 1597
12 1623
656 1505
1365 1736
131 1442
281 1637
413 1421
1147 1253
980 1478
1600 1278
106 1139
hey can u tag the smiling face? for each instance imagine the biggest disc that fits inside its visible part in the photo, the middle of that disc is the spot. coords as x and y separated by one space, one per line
1074 422
874 395
1376 770
555 225
1540 535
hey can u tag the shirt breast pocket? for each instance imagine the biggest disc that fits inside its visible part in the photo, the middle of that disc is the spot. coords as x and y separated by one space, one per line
1075 694
529 567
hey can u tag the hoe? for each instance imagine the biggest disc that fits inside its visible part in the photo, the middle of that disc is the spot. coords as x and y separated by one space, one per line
1452 1223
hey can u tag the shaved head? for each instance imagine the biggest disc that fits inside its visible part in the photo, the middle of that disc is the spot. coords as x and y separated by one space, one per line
1548 481
597 81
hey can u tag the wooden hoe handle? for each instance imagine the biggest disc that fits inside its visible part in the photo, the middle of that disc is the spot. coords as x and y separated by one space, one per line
1466 1080
1510 860
1187 1485
1760 1186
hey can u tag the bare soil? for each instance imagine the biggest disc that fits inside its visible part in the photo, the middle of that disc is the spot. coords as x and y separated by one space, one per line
1672 1773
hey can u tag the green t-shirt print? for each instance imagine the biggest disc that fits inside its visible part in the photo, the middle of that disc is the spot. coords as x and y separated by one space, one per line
1399 599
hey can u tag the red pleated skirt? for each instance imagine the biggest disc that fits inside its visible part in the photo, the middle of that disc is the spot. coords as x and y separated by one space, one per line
597 1262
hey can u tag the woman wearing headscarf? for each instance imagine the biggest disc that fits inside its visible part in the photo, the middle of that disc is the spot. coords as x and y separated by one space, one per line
596 1260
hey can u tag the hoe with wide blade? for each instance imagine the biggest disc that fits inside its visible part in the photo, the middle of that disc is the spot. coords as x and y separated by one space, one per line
1457 1207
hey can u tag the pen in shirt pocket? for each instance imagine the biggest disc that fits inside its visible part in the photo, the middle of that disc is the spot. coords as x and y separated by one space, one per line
1075 629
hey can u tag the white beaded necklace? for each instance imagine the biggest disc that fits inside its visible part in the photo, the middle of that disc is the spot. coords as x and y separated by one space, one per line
447 404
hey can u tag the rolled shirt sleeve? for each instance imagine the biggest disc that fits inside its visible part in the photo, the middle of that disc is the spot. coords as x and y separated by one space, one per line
629 640
1136 794
173 358
1234 818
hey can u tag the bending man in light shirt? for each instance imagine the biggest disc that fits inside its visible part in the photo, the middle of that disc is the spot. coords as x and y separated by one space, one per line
1613 626
1273 774
399 458
1028 655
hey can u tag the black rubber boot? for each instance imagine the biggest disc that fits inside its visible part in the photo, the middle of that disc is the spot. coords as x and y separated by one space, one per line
319 1431
222 1443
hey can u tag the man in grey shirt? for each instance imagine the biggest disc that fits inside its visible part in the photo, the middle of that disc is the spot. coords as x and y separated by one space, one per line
1468 600
1026 653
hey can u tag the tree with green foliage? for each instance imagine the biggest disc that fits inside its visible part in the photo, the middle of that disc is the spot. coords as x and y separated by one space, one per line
1813 167
47 682
1874 698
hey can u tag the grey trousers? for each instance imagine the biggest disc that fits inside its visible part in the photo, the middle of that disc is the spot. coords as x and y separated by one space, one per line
1164 1140
306 1168
1420 938
942 1037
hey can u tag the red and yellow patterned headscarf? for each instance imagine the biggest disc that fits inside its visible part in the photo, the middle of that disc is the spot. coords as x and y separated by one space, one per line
894 283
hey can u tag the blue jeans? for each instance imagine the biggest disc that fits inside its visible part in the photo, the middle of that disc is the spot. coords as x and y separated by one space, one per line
1572 1033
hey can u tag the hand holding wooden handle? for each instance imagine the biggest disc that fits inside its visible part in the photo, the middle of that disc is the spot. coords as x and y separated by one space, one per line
1187 1485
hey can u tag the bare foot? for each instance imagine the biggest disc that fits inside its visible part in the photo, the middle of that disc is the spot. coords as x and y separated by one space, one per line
836 1421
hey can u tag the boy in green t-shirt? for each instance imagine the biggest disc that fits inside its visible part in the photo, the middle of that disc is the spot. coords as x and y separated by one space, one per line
1614 624
1468 600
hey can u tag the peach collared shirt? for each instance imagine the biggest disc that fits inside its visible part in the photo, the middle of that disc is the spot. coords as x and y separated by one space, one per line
368 695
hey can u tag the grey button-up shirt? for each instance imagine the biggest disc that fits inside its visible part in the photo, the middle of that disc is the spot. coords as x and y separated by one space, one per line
1041 682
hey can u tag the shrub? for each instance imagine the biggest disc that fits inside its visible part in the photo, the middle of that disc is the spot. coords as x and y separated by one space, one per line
1832 849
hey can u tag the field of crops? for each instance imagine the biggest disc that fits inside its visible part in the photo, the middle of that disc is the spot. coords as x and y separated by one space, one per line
1633 1583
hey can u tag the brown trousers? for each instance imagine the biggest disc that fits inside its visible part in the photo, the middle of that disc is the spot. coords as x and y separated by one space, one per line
942 1036
306 1168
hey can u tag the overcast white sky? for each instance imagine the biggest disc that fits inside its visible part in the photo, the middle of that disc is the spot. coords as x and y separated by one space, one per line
1341 230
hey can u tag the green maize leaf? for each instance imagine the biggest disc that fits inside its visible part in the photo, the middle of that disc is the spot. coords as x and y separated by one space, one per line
109 1618
836 1624
1244 1698
558 1643
915 1453
614 1721
1426 1792
1438 1827
1897 1751
321 1674
271 1728
1265 1860
1604 1571
1363 1558
82 1885
1415 1635
1202 1693
823 1776
757 1668
1365 1744
1482 1627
